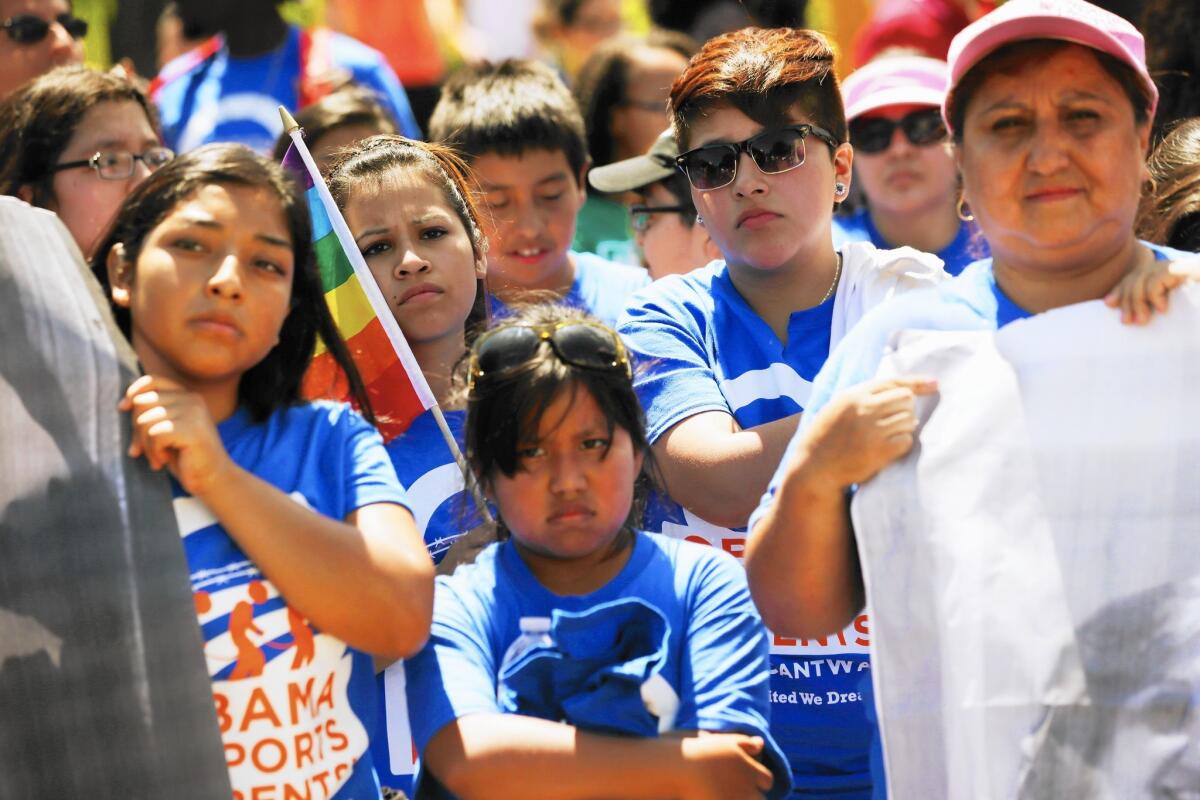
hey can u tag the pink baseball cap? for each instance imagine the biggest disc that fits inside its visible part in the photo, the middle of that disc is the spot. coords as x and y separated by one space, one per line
1074 21
895 81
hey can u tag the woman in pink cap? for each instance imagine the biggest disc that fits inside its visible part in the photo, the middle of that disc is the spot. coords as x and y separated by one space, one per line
901 161
1049 104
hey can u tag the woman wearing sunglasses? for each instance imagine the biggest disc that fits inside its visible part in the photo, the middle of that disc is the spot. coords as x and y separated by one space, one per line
35 37
732 346
646 641
77 142
1051 136
902 163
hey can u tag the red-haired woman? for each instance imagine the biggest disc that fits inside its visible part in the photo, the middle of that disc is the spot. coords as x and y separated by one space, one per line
732 347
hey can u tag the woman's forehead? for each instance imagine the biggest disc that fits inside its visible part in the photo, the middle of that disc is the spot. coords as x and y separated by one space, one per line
1065 72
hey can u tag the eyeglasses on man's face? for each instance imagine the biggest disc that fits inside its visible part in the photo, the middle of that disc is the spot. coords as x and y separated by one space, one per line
118 166
31 29
714 166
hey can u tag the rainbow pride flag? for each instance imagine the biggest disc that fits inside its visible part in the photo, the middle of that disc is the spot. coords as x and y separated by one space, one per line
395 385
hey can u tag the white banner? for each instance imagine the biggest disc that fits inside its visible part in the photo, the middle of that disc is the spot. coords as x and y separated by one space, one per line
1034 563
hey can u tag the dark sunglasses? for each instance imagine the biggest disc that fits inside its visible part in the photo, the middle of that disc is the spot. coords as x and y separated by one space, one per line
586 345
715 165
639 216
874 134
29 29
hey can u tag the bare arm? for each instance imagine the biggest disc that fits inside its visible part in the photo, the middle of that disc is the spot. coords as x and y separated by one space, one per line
718 470
512 756
800 558
368 580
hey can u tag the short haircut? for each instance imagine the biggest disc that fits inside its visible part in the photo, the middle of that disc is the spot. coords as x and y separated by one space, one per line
509 109
764 73
348 105
1015 55
38 120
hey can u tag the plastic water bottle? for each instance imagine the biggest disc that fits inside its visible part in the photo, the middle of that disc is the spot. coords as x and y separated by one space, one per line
535 632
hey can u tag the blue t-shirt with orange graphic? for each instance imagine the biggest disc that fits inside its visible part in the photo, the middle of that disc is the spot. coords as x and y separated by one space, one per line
295 705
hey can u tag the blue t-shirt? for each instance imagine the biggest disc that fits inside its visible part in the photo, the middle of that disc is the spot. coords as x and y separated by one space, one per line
971 301
444 510
295 705
706 349
716 651
968 245
601 288
228 99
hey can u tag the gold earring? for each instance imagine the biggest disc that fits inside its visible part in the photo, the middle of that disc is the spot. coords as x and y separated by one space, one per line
965 216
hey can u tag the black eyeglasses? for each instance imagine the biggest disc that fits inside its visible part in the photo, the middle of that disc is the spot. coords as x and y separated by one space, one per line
639 216
587 345
119 166
30 29
874 134
715 165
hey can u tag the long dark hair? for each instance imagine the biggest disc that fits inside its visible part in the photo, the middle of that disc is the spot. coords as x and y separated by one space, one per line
505 407
275 381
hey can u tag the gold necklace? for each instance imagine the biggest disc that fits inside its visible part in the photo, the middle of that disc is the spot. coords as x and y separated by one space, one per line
837 274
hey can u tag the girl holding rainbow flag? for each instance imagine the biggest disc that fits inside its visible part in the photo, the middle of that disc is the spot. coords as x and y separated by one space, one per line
294 526
413 218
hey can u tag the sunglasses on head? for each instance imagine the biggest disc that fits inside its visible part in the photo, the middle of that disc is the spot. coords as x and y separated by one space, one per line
715 165
587 345
30 29
874 134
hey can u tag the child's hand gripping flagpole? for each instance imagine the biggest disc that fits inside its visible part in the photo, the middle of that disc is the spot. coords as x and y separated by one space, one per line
368 327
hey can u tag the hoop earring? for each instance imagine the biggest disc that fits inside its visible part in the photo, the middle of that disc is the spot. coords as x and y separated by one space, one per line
959 210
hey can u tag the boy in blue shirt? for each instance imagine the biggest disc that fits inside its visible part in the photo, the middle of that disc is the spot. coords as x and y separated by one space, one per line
521 132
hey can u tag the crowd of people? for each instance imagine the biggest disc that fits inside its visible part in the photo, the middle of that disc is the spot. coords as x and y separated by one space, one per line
649 281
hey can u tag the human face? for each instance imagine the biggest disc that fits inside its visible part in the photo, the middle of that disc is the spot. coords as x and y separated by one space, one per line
595 21
1053 162
669 245
85 202
769 222
532 199
906 179
638 121
418 250
21 63
571 494
211 287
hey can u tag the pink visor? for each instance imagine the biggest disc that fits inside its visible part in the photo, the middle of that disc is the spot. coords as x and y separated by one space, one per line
1074 21
895 81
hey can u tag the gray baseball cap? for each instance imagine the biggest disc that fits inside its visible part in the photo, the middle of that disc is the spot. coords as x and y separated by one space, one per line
634 173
